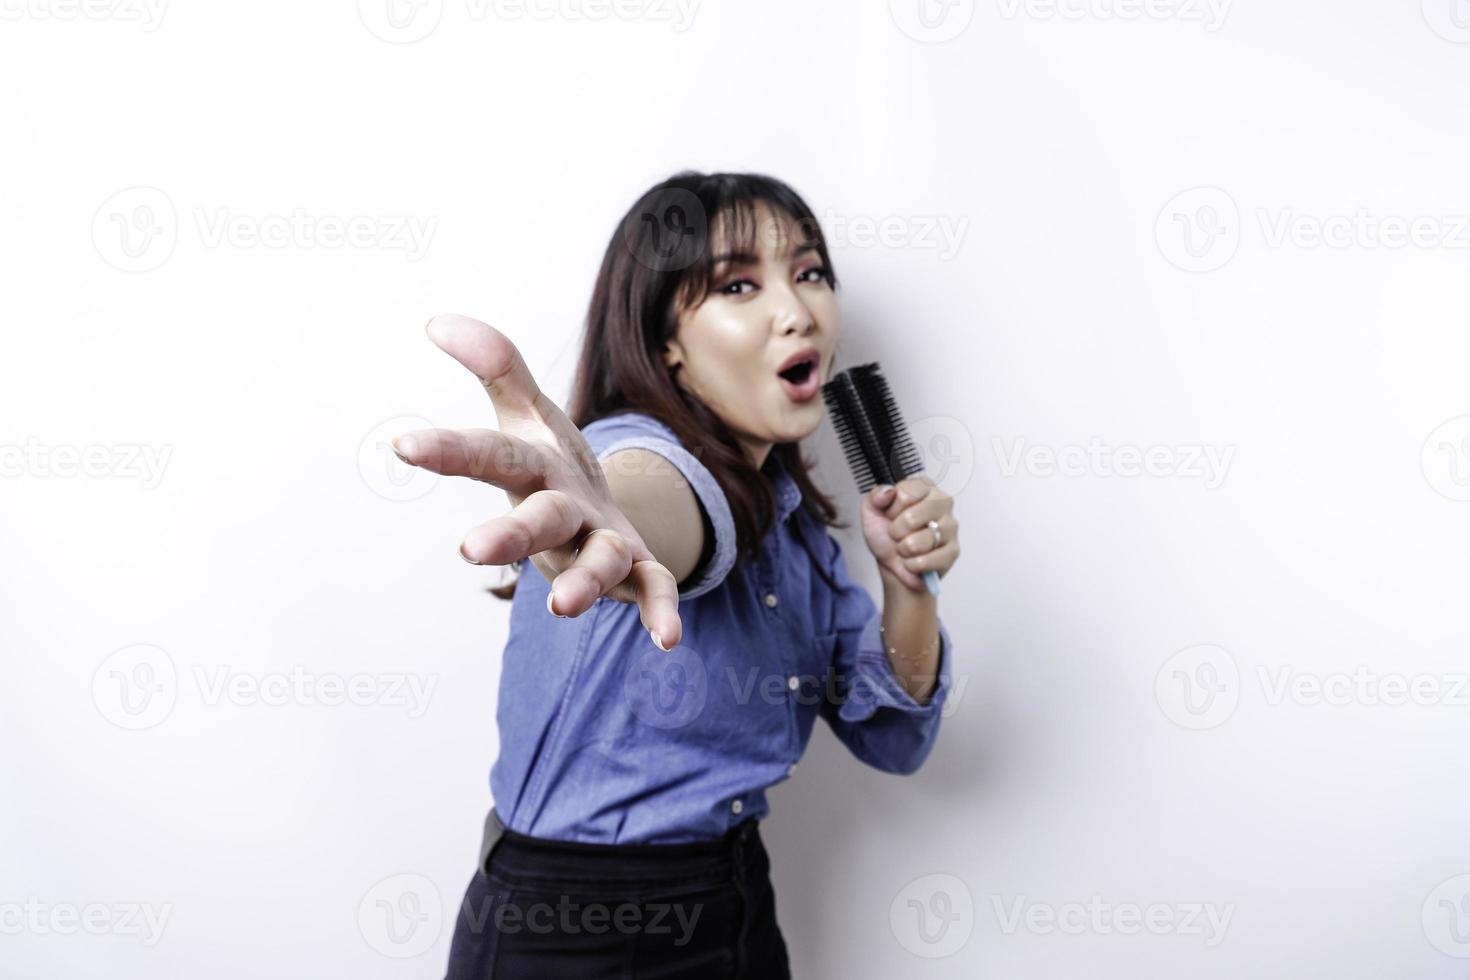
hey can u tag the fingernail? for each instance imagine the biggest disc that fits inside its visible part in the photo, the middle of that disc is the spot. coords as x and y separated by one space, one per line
408 446
466 557
658 642
549 596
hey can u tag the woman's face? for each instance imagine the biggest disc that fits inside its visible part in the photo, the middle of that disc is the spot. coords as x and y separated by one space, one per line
763 310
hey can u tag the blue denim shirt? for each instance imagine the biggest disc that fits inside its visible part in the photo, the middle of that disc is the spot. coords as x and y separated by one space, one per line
606 739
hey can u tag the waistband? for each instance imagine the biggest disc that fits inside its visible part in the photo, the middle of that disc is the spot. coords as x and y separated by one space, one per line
736 843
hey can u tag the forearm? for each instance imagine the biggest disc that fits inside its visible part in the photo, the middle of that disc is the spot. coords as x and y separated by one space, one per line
911 636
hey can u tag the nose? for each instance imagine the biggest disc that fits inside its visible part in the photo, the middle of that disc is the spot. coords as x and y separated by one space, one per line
791 314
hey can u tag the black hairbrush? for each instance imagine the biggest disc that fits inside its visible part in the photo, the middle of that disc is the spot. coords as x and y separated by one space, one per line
874 435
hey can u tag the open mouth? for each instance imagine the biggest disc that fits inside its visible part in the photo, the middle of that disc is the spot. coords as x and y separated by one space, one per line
800 380
798 374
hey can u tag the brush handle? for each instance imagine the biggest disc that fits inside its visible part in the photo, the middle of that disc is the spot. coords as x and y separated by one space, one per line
931 582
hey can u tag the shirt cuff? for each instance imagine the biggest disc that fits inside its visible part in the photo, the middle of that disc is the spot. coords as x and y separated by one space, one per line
877 686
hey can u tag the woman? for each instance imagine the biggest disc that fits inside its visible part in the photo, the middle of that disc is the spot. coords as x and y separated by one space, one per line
635 747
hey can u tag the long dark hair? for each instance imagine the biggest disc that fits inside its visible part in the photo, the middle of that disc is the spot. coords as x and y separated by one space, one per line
657 264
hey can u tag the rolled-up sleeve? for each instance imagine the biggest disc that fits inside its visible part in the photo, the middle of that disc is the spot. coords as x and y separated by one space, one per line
634 430
870 712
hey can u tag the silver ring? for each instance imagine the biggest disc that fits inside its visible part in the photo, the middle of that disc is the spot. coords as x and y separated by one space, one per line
938 538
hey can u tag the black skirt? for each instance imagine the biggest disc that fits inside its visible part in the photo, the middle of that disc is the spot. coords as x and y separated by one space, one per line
539 908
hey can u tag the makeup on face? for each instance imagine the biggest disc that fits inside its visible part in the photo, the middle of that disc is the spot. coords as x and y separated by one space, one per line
759 345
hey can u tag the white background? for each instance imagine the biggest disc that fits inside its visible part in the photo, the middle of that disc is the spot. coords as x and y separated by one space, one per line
1095 294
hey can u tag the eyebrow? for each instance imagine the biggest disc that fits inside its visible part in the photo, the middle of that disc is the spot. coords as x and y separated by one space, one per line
750 258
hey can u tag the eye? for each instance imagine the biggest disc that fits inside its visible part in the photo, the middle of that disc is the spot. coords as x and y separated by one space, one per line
732 288
821 274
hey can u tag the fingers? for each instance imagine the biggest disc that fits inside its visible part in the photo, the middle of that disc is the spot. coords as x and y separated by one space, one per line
658 602
880 497
907 515
936 560
908 492
605 566
604 560
491 356
546 519
922 539
483 454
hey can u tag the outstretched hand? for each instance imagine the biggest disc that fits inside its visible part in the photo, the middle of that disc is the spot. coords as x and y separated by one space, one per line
563 515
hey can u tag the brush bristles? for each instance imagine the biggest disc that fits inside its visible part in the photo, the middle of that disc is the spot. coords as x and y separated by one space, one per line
870 427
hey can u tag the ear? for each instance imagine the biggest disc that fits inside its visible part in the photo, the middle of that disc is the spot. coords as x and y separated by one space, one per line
673 354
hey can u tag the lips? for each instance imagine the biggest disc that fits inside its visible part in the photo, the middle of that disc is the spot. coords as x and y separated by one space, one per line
805 354
800 376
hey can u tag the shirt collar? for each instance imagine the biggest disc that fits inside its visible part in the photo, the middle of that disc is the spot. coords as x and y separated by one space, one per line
788 494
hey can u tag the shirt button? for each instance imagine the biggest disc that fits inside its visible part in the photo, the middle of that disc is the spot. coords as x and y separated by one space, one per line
771 599
736 807
790 769
793 682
